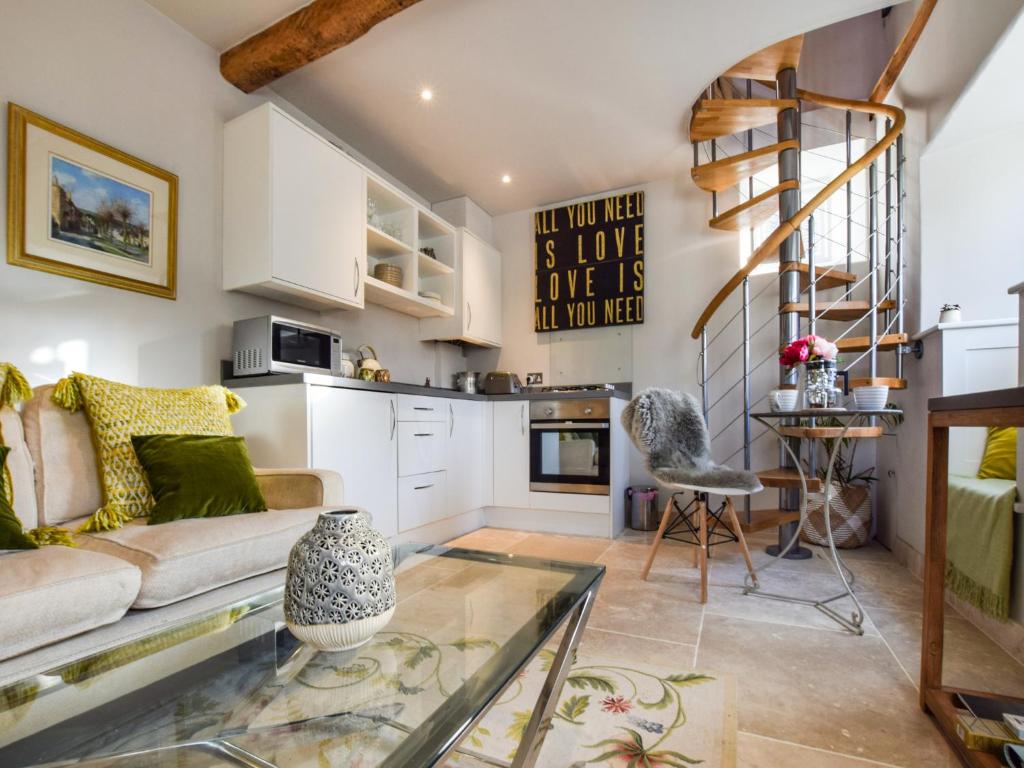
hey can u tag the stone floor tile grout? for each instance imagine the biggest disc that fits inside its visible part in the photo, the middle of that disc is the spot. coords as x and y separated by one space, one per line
866 760
592 628
837 631
700 631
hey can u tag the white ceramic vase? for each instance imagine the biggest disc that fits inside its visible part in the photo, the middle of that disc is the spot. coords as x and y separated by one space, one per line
340 587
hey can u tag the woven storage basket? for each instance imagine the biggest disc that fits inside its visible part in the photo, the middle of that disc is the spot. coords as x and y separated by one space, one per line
850 518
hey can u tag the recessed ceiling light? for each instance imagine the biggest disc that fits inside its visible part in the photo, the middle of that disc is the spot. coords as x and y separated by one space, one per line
506 179
426 94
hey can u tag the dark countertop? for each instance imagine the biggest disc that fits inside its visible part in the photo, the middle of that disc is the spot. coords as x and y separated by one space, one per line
995 398
622 391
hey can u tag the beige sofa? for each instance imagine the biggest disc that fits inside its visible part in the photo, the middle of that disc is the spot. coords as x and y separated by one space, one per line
53 593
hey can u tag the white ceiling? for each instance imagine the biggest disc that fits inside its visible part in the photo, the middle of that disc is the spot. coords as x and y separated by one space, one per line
570 97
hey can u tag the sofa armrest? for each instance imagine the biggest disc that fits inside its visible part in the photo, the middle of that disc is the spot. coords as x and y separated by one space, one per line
300 488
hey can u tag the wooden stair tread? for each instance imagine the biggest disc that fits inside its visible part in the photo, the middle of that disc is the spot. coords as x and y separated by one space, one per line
762 519
730 171
768 62
753 211
879 381
713 118
863 343
841 310
830 432
786 477
827 277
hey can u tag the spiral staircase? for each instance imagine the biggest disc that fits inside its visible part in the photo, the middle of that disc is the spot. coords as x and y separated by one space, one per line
836 256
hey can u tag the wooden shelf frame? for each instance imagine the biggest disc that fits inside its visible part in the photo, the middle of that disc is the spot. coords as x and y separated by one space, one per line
999 408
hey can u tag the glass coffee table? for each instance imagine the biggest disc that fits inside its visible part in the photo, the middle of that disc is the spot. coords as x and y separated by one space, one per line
233 687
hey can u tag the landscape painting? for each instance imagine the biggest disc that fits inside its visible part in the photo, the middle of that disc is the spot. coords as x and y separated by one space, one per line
92 210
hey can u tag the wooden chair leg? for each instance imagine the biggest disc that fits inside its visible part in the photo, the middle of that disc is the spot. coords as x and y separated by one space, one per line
734 523
657 541
702 512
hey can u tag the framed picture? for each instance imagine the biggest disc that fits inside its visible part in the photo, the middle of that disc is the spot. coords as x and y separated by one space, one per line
79 208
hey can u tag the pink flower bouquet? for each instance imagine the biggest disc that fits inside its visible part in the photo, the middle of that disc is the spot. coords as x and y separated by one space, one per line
806 349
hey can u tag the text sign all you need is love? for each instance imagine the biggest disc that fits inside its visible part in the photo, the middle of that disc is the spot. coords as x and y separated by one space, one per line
589 262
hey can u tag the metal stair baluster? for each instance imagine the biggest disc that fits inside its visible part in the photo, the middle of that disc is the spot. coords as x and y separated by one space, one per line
872 269
900 160
888 221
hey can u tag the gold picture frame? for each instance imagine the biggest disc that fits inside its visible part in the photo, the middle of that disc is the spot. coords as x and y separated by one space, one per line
79 208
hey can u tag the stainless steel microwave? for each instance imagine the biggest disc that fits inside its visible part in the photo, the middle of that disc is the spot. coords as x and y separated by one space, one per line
273 344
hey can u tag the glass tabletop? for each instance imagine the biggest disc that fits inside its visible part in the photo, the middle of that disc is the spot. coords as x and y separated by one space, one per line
234 687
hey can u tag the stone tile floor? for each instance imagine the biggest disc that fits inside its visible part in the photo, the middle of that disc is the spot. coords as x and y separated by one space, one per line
809 693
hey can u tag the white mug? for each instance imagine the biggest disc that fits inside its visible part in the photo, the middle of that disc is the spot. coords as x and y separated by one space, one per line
782 399
871 398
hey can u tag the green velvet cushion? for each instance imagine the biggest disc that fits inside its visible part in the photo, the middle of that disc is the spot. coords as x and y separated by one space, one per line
198 476
12 535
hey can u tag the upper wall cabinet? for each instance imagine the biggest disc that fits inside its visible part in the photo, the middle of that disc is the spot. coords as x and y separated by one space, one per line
415 251
294 213
477 287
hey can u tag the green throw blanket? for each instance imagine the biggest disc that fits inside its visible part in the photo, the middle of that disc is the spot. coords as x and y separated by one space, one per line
979 542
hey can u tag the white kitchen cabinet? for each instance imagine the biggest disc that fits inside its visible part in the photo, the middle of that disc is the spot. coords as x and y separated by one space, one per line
512 453
421 447
355 433
467 455
477 317
294 213
421 500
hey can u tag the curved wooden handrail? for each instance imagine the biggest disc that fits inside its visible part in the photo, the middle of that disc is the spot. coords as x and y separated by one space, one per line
787 228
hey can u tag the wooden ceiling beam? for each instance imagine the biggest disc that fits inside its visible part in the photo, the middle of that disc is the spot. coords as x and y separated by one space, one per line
304 36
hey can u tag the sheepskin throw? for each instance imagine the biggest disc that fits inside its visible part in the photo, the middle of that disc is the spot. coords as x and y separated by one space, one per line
668 428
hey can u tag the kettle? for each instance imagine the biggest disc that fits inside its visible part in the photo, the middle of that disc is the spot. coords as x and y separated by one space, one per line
368 359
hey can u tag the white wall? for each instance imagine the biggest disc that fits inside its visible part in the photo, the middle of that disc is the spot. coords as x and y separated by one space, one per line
953 252
121 72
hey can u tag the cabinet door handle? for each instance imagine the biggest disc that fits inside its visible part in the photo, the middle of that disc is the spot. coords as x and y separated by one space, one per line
422 487
421 408
522 418
451 414
394 419
423 434
469 312
358 276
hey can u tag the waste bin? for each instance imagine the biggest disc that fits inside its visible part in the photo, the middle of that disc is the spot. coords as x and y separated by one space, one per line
642 504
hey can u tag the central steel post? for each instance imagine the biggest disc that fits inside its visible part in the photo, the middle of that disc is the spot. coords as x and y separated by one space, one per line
789 288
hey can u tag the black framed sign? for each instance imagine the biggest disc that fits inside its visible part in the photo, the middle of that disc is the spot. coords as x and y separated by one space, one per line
589 264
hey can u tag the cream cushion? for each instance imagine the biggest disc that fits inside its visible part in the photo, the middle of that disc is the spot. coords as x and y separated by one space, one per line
187 557
52 593
67 479
20 464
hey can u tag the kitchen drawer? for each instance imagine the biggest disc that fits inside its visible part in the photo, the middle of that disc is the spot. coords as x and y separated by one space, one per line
421 500
421 447
422 408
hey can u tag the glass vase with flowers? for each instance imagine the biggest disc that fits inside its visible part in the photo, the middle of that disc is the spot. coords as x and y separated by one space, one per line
818 357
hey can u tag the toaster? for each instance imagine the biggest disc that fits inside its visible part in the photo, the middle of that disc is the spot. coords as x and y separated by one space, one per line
502 383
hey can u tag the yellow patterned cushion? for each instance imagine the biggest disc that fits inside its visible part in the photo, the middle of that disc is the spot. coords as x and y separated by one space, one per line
1000 459
118 411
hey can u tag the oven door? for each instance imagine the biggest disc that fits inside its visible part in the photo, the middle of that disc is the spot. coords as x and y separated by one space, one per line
570 457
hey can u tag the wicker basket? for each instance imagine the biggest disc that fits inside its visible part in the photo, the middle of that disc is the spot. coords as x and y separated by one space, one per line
389 273
850 518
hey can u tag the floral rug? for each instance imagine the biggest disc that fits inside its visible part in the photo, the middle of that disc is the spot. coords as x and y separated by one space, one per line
615 714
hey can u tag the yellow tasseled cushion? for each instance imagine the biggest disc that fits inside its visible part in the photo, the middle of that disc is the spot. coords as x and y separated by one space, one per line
118 411
1000 460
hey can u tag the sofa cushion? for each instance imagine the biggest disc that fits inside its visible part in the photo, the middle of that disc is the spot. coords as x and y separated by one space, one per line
60 443
19 464
118 411
188 557
52 593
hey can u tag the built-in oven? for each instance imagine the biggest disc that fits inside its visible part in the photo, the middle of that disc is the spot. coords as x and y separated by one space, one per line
569 446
